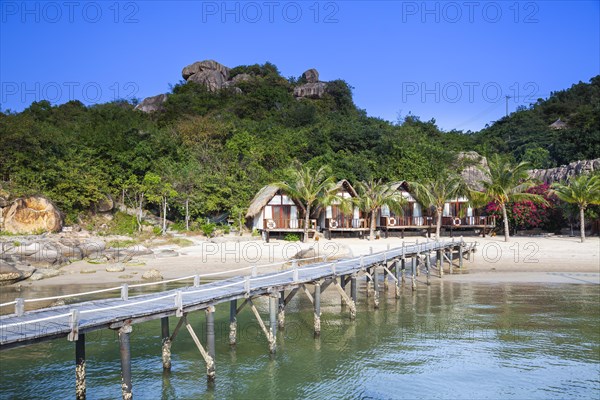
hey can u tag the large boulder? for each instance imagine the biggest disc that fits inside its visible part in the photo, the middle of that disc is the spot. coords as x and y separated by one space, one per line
29 215
206 65
313 88
11 272
152 104
311 75
212 80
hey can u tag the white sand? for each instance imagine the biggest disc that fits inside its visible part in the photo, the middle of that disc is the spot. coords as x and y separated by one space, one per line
523 259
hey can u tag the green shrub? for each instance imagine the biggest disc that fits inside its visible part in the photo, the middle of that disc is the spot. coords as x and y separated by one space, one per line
208 229
292 237
122 224
157 230
178 226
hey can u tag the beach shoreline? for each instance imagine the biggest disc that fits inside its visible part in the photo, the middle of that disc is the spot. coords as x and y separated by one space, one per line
527 259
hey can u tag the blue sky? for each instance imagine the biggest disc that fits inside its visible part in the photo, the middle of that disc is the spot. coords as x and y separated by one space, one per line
452 61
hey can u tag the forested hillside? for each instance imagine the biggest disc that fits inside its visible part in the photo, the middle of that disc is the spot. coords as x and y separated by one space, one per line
215 149
527 133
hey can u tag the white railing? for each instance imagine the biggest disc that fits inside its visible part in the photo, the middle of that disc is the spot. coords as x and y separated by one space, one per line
393 253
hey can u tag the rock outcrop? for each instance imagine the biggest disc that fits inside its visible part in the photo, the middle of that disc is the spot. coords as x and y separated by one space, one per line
152 104
209 73
473 166
34 214
565 172
313 87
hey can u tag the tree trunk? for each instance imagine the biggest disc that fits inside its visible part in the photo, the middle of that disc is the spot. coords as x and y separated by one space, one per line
139 212
187 214
306 221
164 227
438 223
582 222
505 218
372 226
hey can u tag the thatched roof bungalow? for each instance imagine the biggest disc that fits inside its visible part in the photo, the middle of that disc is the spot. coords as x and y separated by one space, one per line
273 210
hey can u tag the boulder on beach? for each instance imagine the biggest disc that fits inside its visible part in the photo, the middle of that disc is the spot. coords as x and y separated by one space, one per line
35 214
152 274
11 273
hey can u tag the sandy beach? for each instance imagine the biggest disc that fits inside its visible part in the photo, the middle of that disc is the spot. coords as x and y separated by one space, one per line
523 259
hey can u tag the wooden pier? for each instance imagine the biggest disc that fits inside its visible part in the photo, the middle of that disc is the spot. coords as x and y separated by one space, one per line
73 321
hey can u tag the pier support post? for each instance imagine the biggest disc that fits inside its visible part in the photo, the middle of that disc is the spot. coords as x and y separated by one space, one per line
428 267
166 343
439 262
281 313
418 259
210 331
403 269
375 287
399 277
80 367
451 254
413 278
317 316
460 254
233 322
343 286
353 288
125 351
385 278
273 311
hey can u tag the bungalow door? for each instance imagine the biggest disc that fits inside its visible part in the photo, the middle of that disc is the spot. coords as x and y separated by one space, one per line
281 216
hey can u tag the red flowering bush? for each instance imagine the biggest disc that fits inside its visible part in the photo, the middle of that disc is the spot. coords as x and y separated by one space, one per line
528 215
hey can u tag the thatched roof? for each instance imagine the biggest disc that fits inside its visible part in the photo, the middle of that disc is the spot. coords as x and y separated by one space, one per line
558 124
344 184
261 199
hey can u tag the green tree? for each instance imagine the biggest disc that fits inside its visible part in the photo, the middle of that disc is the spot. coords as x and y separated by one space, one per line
583 191
505 183
435 192
372 195
311 188
159 192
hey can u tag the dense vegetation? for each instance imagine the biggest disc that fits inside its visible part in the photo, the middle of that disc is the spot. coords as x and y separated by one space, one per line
213 151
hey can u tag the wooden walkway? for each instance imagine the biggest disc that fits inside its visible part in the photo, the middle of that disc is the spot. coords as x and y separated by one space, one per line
72 321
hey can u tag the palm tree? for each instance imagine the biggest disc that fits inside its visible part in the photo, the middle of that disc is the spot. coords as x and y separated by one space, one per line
505 183
436 192
311 188
583 191
373 195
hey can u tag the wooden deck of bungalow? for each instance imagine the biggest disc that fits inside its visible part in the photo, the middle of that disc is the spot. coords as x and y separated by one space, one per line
276 227
402 224
74 321
345 225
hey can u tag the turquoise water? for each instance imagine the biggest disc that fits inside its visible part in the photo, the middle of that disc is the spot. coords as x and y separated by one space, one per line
449 340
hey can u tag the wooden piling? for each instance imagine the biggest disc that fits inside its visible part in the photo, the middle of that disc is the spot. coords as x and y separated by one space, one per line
399 277
273 311
428 267
80 386
317 312
281 311
166 343
460 254
439 262
210 331
414 267
375 287
124 348
233 322
353 288
451 254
